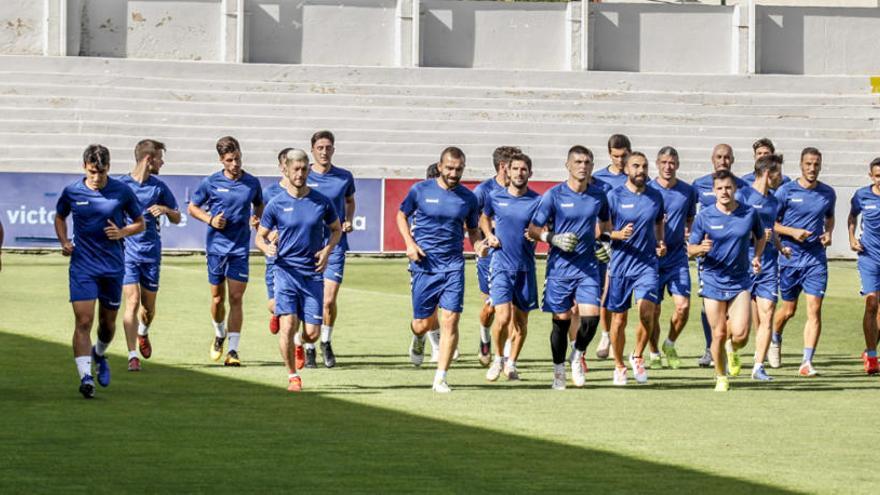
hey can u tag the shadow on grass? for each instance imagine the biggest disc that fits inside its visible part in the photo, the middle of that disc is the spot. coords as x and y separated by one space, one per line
172 430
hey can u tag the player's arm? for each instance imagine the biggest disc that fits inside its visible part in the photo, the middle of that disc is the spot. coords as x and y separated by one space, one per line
158 210
660 233
699 243
851 223
263 243
137 226
348 222
324 254
61 234
825 238
476 238
413 251
486 227
799 235
258 213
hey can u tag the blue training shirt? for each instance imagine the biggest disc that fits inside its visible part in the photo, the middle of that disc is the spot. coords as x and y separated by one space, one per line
269 193
805 209
637 254
218 193
867 204
483 192
766 207
611 179
336 185
438 216
300 223
95 254
512 215
727 265
706 191
680 204
146 247
568 211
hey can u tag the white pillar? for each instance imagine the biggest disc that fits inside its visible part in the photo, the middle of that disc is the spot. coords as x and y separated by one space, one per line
575 29
55 27
232 32
404 30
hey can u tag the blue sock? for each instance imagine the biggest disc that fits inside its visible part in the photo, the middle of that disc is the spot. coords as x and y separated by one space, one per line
808 354
707 330
872 354
776 337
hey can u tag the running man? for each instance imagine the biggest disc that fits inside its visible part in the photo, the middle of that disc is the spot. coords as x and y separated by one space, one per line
762 148
337 185
441 210
722 159
299 216
224 200
637 213
514 288
765 284
721 235
680 204
143 252
805 222
99 206
866 202
269 193
612 176
566 219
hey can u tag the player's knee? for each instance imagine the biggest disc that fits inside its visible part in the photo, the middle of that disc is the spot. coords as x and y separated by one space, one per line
311 333
83 323
147 314
236 299
218 299
871 302
682 308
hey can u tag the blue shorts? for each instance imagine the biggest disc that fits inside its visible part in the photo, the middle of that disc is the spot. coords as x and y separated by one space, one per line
429 290
484 273
335 266
517 287
813 280
622 289
227 266
300 295
766 284
709 291
107 289
676 280
270 279
560 294
144 274
869 273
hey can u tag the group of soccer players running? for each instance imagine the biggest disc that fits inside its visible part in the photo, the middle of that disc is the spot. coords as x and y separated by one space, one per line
613 236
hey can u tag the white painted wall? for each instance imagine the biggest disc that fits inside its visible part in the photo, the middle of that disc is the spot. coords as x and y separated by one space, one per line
487 34
814 40
21 27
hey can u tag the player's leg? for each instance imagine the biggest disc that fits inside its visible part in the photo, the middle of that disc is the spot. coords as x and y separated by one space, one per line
763 322
588 297
487 310
426 288
131 293
236 289
716 312
109 300
84 315
619 300
145 317
869 327
644 290
500 332
815 282
519 331
789 291
604 347
333 276
738 325
559 295
705 361
274 320
451 304
217 281
288 327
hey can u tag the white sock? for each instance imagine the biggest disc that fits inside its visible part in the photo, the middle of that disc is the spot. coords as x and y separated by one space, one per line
298 339
132 354
758 366
507 348
233 341
577 355
559 368
484 335
310 345
219 329
326 333
292 375
498 359
511 364
101 347
571 345
439 376
83 365
655 355
669 343
143 329
728 346
434 336
606 335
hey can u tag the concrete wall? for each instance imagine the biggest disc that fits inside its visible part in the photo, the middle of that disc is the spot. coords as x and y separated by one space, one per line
21 27
796 40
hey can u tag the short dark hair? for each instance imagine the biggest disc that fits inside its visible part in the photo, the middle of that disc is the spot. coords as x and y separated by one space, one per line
763 143
767 163
722 175
521 157
282 153
632 154
619 141
325 134
580 150
227 144
97 155
874 163
668 150
453 151
147 147
809 150
503 154
433 171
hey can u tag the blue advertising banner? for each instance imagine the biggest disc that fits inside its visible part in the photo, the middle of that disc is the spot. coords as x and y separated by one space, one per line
27 211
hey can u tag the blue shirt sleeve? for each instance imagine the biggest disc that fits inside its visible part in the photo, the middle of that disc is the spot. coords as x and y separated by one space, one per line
410 202
329 213
166 197
545 210
829 213
697 231
268 219
349 189
200 195
131 206
781 194
62 207
488 210
604 210
855 205
757 226
473 216
258 193
661 211
692 204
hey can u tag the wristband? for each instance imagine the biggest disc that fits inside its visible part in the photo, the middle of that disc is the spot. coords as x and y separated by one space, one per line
211 221
544 236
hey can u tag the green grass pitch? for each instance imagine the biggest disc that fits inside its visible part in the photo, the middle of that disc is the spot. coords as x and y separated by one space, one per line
186 424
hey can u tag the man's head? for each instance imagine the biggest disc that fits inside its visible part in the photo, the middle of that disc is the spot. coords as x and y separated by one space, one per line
579 162
519 170
451 166
811 164
636 168
722 157
763 147
96 164
667 163
323 147
724 186
771 166
618 147
296 167
230 155
153 151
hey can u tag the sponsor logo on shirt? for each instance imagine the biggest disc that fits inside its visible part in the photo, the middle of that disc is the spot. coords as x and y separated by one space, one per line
222 189
313 184
503 204
797 200
81 203
632 205
432 200
708 193
716 227
288 209
758 206
566 205
870 207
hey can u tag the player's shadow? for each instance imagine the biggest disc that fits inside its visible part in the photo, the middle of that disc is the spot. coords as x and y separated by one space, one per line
176 430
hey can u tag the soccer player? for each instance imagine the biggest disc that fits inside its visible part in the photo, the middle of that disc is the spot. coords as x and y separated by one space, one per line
514 287
441 209
269 192
612 176
483 191
224 200
680 204
765 284
721 235
300 215
762 148
866 202
805 222
637 213
566 219
99 206
143 252
337 185
722 159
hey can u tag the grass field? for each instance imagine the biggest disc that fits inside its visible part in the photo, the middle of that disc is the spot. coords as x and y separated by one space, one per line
186 424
